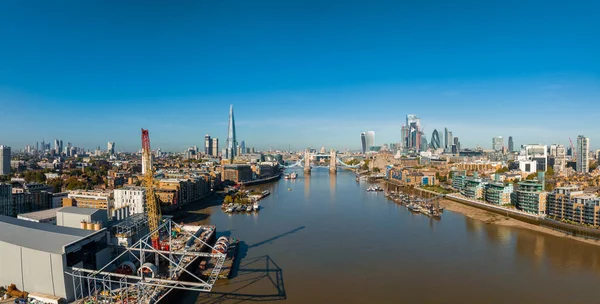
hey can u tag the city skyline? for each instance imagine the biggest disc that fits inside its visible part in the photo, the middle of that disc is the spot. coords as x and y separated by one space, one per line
318 84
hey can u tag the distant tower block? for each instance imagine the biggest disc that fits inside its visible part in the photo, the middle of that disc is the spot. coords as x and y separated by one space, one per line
332 161
307 162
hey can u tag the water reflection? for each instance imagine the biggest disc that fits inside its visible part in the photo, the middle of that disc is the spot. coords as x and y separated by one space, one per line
332 183
306 186
559 253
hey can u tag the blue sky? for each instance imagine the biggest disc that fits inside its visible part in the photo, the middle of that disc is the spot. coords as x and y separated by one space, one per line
299 73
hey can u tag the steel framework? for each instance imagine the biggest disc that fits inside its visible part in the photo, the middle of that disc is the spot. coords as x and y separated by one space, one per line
106 286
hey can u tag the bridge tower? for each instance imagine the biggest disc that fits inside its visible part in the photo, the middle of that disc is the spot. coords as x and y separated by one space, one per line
332 161
307 162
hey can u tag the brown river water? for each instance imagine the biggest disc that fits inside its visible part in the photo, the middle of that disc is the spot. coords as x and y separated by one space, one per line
325 239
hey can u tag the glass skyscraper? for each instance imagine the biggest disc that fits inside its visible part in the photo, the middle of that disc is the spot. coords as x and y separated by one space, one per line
231 144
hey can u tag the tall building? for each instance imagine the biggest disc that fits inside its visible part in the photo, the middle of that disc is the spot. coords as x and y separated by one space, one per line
560 158
583 154
231 144
498 143
111 148
215 147
435 140
242 147
207 145
424 144
450 139
412 133
511 144
4 160
363 142
456 145
446 136
370 139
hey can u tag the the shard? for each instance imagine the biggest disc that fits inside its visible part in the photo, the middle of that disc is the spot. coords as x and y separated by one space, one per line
231 144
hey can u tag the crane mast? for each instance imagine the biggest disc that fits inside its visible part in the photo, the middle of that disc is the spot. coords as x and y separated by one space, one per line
152 207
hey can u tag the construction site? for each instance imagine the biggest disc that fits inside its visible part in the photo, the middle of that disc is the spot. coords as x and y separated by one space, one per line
152 267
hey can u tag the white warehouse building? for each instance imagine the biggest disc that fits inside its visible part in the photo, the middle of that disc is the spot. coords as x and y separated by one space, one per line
132 197
36 256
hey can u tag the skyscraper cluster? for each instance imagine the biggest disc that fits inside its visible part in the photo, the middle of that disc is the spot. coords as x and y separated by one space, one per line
412 134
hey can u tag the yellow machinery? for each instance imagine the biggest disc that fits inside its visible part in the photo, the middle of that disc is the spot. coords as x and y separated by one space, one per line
151 203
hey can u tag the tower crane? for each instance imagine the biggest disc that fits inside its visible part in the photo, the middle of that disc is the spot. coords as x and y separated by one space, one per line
573 151
151 203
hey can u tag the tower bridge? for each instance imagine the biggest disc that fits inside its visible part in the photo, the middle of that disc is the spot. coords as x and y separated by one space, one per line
334 162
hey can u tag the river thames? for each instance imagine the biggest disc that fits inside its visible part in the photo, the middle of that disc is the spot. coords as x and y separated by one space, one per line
324 239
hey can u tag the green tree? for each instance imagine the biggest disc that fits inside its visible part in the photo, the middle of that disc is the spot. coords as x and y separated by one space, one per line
502 170
228 199
531 176
56 184
550 171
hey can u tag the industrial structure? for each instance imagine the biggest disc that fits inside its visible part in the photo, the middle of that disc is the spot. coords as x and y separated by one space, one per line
36 255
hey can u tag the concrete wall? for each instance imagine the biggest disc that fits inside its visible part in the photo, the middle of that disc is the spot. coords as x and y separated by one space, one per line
71 219
100 216
10 265
32 270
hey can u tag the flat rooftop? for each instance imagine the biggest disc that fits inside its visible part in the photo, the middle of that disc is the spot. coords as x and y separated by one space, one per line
39 236
41 215
77 210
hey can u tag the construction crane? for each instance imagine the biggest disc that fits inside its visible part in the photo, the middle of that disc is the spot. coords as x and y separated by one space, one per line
573 151
151 203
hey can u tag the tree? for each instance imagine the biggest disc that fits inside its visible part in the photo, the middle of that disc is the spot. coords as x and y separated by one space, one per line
365 165
531 176
228 199
56 184
550 171
502 170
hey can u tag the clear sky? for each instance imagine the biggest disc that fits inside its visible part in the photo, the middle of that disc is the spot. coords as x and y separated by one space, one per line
299 73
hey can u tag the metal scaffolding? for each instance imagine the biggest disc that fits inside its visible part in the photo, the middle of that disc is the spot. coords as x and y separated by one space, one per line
181 246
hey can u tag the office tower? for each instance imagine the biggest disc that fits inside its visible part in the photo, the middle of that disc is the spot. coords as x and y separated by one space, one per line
207 145
446 137
423 146
456 145
363 142
497 143
4 160
511 144
243 147
435 140
370 139
450 138
231 143
215 147
583 151
111 148
552 150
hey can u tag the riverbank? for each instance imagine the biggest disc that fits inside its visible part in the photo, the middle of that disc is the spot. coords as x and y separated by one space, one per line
493 218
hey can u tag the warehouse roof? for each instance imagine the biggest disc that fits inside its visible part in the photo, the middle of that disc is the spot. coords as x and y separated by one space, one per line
40 215
39 236
77 210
